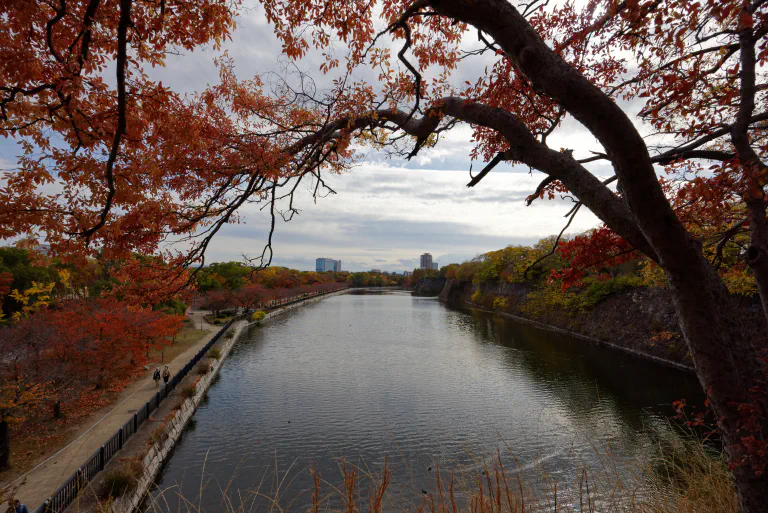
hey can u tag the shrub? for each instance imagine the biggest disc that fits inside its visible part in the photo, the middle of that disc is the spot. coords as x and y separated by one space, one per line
594 290
217 322
214 353
158 435
203 367
476 295
229 334
500 303
188 391
122 478
257 317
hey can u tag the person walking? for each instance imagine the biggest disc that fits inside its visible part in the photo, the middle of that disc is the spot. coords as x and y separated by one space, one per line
20 508
156 376
166 375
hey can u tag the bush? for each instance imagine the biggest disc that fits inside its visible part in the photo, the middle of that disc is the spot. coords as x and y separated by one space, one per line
188 391
203 367
122 478
594 290
500 303
476 295
229 334
257 317
158 435
217 322
214 353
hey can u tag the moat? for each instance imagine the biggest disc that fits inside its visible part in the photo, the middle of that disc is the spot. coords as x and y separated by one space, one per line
364 376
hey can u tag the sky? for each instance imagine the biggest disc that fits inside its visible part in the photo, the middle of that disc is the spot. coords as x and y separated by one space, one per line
386 211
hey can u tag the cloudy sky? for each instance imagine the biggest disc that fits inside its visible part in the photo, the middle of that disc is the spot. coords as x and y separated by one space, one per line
386 211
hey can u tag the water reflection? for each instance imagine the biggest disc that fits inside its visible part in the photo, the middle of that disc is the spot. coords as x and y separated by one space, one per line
364 376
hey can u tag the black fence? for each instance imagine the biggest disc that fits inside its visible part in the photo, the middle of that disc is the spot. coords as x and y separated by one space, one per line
67 492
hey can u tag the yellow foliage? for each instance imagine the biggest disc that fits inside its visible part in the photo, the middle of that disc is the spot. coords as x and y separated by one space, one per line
65 278
652 274
500 303
739 282
476 295
36 297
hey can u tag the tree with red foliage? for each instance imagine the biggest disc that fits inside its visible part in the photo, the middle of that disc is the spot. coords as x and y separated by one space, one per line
696 64
250 295
66 352
218 300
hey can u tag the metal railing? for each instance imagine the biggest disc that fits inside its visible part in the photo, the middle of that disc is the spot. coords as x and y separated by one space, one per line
68 491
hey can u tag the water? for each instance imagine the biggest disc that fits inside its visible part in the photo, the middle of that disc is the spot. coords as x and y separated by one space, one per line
364 376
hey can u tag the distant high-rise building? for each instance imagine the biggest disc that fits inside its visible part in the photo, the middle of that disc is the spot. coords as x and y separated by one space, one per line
406 273
425 261
324 265
435 266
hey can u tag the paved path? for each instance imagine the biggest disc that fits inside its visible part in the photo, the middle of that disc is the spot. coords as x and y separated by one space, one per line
44 479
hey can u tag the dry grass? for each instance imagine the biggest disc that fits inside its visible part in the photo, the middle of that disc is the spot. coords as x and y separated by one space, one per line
683 477
203 367
185 338
188 391
122 478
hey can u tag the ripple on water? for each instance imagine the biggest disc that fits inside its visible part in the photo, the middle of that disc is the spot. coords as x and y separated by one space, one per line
363 376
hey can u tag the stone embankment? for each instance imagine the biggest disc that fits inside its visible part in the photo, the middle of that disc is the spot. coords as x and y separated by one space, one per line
640 321
429 286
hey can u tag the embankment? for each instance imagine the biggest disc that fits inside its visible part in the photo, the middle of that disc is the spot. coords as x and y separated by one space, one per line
641 321
429 286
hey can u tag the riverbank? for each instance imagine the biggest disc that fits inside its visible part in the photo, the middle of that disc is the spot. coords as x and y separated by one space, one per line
640 321
142 458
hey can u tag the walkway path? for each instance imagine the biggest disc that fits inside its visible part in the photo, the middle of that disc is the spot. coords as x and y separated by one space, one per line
43 480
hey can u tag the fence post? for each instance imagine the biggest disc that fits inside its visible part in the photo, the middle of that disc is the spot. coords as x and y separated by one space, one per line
120 438
102 454
135 422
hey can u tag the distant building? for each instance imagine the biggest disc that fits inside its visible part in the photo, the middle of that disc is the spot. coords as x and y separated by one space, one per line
375 270
425 261
435 265
406 273
324 265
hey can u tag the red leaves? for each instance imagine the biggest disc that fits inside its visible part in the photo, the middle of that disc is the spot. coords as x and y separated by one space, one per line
599 249
746 21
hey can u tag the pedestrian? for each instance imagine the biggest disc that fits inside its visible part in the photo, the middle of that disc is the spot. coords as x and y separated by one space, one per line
20 508
156 376
166 375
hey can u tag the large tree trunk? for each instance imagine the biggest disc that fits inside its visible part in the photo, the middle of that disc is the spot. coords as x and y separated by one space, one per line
757 253
727 366
5 445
